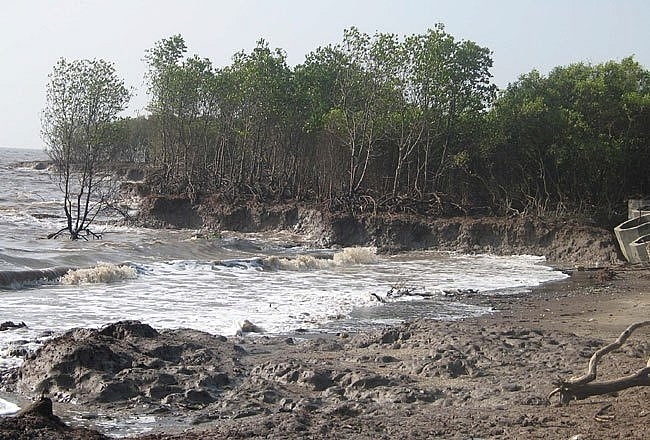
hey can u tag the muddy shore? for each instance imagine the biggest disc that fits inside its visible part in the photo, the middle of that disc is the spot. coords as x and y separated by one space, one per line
486 377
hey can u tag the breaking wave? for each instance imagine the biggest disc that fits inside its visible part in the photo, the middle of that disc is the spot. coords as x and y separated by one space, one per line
356 255
102 273
347 257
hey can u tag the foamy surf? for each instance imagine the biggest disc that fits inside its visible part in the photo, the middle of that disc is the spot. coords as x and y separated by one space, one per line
356 255
102 273
7 407
346 257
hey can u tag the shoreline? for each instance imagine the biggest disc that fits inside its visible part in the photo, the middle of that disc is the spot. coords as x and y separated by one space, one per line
523 346
485 377
597 303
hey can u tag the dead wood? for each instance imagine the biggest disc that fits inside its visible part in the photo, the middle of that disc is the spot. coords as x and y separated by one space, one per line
584 386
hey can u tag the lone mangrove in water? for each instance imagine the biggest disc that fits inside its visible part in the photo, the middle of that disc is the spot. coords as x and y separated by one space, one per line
84 98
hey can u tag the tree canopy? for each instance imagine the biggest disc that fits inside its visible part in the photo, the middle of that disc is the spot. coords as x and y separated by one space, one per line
576 139
83 100
385 122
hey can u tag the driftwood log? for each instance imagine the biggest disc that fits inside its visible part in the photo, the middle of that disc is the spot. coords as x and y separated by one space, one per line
584 386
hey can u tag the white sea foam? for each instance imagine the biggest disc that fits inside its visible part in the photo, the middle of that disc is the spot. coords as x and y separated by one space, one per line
120 427
7 407
356 255
102 273
346 257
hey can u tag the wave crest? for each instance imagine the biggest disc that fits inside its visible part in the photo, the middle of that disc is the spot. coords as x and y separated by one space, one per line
356 255
102 273
347 257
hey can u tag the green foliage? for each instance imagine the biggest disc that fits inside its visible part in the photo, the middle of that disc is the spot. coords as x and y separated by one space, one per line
576 139
84 98
402 121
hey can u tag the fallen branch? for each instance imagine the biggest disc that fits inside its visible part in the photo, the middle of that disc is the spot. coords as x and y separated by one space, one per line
584 386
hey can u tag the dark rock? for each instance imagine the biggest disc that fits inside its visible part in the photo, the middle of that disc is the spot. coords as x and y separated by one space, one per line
456 368
199 396
37 421
96 357
169 353
249 327
159 392
129 360
10 325
319 380
166 379
368 381
248 413
270 396
126 329
118 391
197 357
217 380
41 408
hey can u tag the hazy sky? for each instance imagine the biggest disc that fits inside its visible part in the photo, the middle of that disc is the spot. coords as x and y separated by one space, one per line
522 34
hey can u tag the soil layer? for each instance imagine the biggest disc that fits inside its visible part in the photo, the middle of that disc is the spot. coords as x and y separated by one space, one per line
565 243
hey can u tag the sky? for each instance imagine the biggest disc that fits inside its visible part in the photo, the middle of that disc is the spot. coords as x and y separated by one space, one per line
522 34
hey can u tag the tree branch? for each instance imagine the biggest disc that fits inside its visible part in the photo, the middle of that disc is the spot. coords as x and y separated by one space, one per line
584 386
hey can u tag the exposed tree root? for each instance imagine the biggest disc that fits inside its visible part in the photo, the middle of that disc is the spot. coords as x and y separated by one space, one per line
57 233
82 234
584 386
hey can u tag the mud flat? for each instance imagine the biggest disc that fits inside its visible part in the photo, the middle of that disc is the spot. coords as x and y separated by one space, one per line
486 377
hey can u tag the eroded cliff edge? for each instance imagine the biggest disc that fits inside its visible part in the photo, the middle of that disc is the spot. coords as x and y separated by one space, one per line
565 243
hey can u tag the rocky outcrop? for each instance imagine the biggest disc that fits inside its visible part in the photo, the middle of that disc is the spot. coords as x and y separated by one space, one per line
130 361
